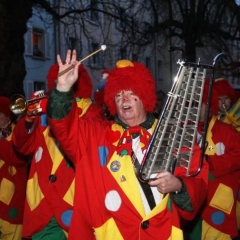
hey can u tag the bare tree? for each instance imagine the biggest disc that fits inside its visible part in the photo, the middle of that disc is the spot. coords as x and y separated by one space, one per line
194 22
206 26
200 26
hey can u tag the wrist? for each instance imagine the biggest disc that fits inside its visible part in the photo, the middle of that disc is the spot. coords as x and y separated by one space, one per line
180 186
63 87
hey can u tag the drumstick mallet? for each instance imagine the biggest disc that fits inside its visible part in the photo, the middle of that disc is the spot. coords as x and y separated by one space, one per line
103 48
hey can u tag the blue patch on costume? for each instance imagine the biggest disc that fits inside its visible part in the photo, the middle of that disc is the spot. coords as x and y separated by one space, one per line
239 194
103 154
218 217
66 217
43 120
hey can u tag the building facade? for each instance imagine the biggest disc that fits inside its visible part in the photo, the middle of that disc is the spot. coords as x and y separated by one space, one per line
96 24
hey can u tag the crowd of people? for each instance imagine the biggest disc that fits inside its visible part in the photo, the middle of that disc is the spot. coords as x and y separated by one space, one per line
68 167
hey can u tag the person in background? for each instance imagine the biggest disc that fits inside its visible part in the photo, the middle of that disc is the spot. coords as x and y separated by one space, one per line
98 95
161 97
229 112
13 178
99 91
217 219
228 103
110 202
50 187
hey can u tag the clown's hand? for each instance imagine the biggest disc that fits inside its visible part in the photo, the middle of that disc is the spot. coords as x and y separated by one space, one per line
68 71
37 105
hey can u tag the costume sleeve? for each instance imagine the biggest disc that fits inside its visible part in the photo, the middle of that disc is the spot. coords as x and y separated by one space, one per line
66 123
25 142
196 187
63 118
9 155
59 104
182 199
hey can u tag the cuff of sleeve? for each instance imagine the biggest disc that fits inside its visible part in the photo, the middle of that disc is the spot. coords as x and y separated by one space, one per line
182 198
59 104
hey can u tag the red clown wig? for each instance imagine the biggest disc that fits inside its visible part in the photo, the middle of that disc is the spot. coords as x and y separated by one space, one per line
132 76
83 86
223 88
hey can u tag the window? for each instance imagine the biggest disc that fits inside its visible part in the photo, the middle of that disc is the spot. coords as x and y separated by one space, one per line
74 43
148 62
159 69
121 22
134 57
37 43
32 86
93 14
96 59
37 85
121 53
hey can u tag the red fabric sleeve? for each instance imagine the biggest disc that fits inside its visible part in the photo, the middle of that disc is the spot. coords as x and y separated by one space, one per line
23 141
196 185
9 155
66 130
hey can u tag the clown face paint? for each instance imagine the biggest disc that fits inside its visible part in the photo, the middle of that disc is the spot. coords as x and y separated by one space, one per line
130 108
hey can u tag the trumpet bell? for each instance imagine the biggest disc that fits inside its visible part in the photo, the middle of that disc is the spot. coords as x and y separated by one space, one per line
18 104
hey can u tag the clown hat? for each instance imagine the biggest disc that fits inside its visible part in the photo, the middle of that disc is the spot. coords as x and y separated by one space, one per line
83 86
132 76
223 88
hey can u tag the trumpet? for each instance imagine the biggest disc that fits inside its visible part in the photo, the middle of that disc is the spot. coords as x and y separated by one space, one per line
19 104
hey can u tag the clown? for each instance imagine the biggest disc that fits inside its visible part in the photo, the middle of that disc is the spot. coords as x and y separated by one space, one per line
228 103
50 188
229 112
110 202
13 178
218 218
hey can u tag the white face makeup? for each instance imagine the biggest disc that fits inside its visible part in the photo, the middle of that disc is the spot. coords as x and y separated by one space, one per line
130 108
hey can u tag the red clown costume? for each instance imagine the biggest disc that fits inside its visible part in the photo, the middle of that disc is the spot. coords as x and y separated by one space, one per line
13 179
218 216
232 116
50 187
109 202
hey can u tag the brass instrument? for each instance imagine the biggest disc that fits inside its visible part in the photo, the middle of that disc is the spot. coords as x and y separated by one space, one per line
176 128
19 104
